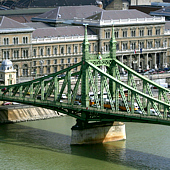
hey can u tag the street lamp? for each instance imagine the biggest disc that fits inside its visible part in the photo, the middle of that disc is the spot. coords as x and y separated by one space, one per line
41 63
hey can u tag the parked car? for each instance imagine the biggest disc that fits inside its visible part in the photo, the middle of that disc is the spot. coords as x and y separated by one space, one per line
77 103
6 103
161 72
15 103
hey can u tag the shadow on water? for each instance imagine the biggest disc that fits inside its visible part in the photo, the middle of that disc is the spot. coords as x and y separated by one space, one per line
113 152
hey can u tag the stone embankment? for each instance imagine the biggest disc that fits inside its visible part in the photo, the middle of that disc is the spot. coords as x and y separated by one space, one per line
25 113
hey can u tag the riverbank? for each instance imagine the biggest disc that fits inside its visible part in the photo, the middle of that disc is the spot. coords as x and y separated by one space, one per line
23 113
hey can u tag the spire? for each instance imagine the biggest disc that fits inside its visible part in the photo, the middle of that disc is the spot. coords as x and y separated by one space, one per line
113 44
85 34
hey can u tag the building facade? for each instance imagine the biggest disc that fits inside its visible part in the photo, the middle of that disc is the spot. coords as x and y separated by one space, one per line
142 42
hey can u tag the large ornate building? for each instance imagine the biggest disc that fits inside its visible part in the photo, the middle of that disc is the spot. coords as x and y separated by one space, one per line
37 48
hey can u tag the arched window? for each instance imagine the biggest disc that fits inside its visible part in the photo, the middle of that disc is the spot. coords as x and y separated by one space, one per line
62 50
34 52
41 52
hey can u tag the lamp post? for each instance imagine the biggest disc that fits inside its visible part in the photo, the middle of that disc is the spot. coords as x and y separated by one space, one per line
41 63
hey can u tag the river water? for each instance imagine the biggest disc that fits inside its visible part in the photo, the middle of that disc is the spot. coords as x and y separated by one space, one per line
45 144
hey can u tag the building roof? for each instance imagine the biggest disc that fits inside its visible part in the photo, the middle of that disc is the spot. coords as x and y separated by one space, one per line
161 12
36 25
9 23
119 14
60 32
67 12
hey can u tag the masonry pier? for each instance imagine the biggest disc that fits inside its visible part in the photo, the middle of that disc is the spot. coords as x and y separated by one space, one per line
99 132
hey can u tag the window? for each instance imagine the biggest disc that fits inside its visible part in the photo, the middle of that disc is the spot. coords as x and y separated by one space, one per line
117 46
62 50
106 47
124 33
116 34
41 52
25 53
95 47
133 33
48 70
69 50
75 60
149 44
6 54
25 40
149 32
157 44
75 49
15 40
68 61
6 41
157 31
55 51
89 47
133 45
107 34
55 61
55 69
124 46
62 61
61 67
141 33
34 63
34 52
141 44
48 51
48 62
16 54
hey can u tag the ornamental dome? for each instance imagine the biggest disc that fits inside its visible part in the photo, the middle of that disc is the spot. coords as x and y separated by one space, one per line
6 65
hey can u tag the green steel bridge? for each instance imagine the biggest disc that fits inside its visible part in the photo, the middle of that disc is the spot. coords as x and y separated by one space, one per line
47 91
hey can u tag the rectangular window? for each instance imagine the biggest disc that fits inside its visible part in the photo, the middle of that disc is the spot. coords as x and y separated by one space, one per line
55 61
48 62
141 45
75 60
68 61
34 63
157 44
62 61
124 33
117 46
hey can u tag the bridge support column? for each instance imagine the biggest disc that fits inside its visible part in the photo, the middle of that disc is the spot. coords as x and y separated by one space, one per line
99 132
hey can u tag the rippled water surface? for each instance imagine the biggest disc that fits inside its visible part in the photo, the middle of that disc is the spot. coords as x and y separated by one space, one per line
45 144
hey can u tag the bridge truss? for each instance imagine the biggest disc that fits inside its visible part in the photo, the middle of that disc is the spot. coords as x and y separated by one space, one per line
98 75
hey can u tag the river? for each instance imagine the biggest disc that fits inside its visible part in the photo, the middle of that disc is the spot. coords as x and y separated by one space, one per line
45 144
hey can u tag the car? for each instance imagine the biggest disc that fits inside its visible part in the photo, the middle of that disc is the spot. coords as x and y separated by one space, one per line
161 72
6 103
4 89
146 73
77 103
155 72
15 103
